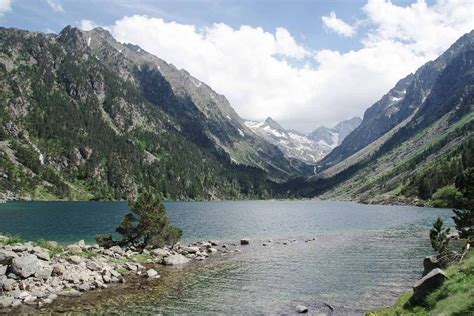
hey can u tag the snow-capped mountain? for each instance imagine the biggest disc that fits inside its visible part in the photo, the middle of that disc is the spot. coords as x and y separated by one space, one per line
308 148
333 137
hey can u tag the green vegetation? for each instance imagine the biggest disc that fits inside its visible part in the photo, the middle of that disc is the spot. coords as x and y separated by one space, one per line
11 239
454 297
147 225
87 133
52 247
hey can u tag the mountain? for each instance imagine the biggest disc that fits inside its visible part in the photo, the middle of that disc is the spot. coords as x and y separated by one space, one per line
293 144
85 117
333 137
309 148
412 144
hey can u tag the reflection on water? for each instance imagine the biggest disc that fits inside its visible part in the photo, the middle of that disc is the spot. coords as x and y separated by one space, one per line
362 258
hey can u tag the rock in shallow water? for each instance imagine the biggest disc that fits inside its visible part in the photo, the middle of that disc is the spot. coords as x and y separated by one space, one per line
245 241
152 274
301 309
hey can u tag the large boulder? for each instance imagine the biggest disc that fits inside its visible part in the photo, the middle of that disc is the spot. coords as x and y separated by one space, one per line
6 301
430 263
41 253
26 266
152 274
175 260
6 256
74 249
427 284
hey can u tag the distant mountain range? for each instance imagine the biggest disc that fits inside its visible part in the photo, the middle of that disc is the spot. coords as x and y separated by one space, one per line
309 148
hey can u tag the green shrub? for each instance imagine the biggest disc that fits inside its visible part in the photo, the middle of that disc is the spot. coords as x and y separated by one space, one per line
447 196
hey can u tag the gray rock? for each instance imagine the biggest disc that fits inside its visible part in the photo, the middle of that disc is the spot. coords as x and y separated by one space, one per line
131 266
152 274
190 249
8 284
44 272
75 259
301 309
3 269
244 241
16 303
93 266
74 249
212 250
430 263
214 243
427 284
41 253
6 301
175 260
6 256
106 279
26 266
117 249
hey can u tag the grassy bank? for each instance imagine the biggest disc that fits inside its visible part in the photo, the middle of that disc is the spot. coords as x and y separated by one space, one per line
454 297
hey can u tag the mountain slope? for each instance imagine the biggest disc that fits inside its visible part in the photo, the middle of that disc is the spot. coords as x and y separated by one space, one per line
204 117
78 120
396 106
417 156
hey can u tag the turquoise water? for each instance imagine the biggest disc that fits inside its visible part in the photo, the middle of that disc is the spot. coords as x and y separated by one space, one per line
363 256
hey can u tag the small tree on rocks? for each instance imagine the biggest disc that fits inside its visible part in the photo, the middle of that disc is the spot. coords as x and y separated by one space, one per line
147 225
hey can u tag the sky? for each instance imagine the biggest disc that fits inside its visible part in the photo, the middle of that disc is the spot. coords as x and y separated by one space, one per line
305 63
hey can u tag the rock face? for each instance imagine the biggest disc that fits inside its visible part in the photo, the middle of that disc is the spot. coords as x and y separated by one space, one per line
430 263
175 260
26 266
427 284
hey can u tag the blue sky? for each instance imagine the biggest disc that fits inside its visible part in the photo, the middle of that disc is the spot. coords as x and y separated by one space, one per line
305 63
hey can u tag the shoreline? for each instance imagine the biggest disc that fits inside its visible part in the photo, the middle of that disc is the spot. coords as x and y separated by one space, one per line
36 274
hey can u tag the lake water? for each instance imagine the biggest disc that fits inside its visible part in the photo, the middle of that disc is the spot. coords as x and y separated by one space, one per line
363 257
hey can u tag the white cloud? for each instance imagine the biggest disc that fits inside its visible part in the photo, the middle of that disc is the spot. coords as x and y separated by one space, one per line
87 25
55 5
337 25
256 69
5 5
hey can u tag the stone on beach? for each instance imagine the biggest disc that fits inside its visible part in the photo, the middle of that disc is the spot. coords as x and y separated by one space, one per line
26 265
6 256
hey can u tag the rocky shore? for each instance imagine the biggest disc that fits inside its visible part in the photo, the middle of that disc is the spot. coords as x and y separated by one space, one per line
37 273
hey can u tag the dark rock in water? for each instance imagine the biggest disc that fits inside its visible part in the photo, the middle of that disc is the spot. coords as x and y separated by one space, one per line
244 242
300 309
430 263
329 306
427 284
